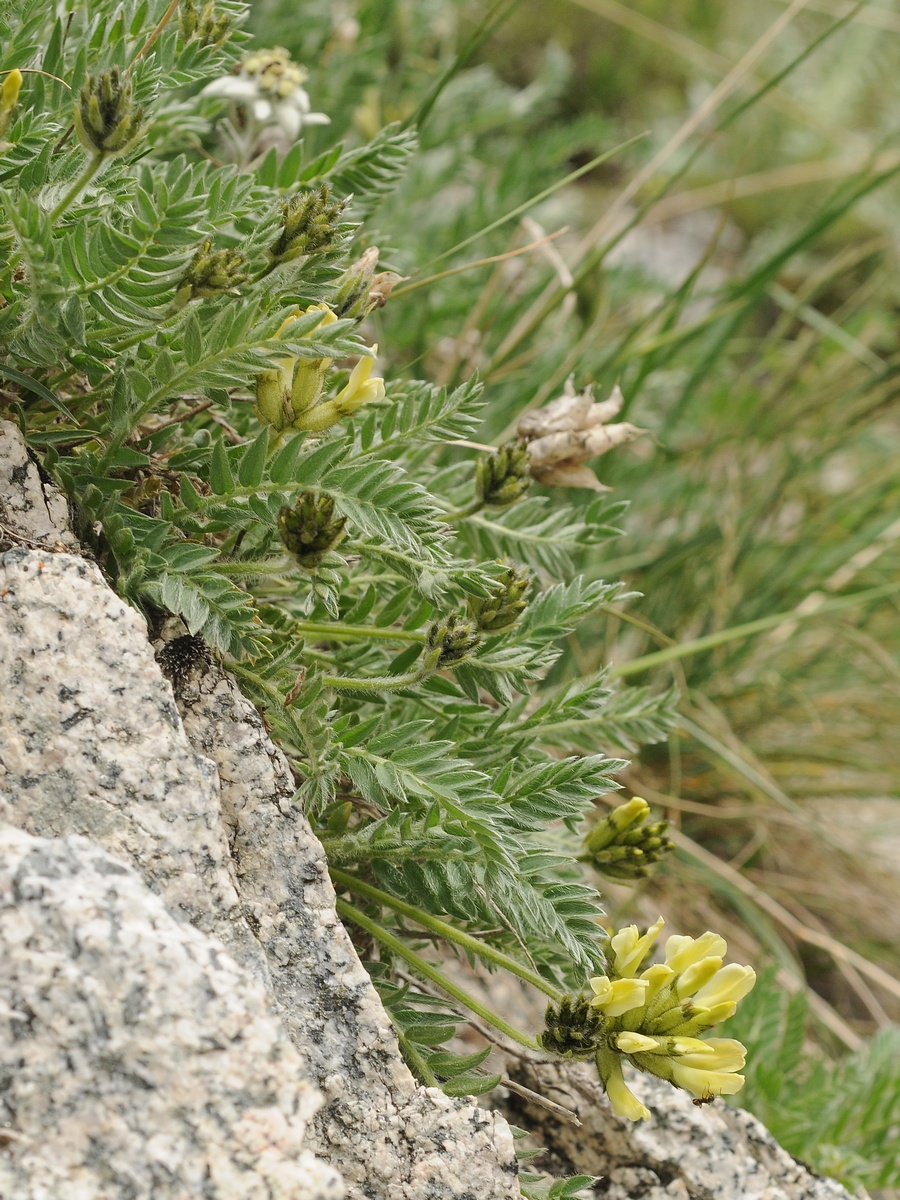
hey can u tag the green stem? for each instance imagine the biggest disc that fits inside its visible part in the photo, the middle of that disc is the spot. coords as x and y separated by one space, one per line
270 566
460 515
341 683
422 967
373 683
78 186
448 932
685 649
368 633
415 1061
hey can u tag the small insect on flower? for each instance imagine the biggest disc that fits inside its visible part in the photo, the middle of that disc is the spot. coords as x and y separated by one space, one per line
699 1101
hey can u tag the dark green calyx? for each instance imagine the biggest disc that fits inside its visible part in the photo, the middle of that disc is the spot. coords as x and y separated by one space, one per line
500 612
310 529
503 478
211 273
449 642
204 24
106 120
572 1029
310 225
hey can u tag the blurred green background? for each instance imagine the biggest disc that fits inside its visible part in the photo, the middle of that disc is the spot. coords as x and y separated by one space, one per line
732 265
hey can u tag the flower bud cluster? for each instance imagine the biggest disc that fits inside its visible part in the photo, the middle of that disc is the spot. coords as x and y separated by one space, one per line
572 1029
210 273
624 845
204 24
655 1020
106 120
310 224
310 529
500 611
289 395
448 642
503 478
360 289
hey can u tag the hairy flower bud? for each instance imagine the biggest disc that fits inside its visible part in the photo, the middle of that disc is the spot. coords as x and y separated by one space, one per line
359 290
450 641
571 1029
500 611
204 24
310 529
106 120
310 224
210 273
503 478
624 846
9 98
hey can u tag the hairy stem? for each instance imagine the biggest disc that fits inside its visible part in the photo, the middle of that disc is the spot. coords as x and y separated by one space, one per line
422 967
90 170
446 931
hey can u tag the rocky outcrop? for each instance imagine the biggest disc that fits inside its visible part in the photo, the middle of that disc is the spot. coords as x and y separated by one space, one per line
94 746
136 1057
182 1015
682 1153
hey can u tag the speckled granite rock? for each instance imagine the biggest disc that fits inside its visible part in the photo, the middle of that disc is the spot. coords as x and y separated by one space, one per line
136 1058
31 512
93 745
682 1153
373 1113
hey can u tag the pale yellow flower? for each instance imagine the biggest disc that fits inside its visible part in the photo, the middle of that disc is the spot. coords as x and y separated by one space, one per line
630 949
616 996
624 1102
288 395
683 952
637 1043
697 975
9 92
727 986
701 1082
360 388
657 977
716 1054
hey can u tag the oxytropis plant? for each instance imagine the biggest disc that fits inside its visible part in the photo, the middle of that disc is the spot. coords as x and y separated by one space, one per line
190 314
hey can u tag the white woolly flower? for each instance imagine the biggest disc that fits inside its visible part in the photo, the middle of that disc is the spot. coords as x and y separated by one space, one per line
269 86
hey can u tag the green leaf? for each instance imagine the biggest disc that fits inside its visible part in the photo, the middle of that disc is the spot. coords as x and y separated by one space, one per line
192 340
474 1084
221 479
35 386
252 466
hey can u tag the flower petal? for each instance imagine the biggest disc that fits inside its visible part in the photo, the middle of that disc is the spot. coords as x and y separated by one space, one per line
700 1082
683 952
730 984
630 949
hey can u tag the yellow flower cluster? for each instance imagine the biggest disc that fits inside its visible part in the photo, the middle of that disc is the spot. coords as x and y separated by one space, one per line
288 396
655 1018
